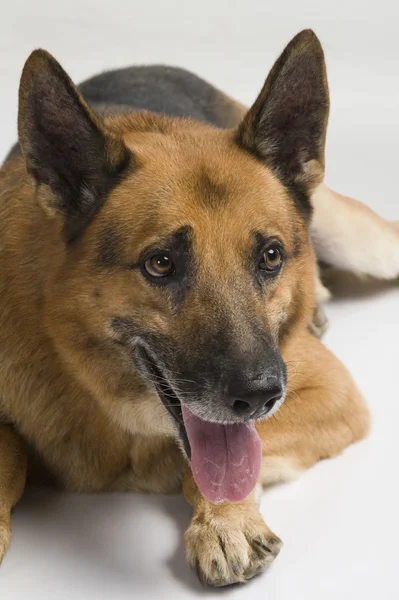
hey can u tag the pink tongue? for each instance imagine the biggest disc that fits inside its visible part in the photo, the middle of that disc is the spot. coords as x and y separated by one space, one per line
225 459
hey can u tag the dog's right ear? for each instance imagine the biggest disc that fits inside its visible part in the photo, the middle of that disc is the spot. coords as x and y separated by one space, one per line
66 147
286 127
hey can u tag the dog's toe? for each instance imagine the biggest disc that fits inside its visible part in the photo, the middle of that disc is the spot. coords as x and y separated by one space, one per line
265 550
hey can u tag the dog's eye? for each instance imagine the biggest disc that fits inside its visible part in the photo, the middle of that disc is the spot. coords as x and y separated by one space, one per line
271 259
159 265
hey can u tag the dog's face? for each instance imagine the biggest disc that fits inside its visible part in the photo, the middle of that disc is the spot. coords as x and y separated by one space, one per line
183 260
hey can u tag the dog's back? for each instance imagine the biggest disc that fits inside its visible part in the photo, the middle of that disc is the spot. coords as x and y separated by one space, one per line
161 89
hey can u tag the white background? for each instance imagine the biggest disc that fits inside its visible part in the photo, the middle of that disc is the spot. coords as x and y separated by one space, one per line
339 522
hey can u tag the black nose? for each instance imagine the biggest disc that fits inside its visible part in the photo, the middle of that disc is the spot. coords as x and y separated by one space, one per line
254 397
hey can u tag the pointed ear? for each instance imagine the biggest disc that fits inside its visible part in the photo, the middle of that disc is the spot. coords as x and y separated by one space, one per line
66 147
286 127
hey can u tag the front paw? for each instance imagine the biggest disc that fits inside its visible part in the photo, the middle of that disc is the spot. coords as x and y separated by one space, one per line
5 538
319 324
231 548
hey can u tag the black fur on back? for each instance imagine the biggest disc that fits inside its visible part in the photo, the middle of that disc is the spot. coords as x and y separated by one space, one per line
160 89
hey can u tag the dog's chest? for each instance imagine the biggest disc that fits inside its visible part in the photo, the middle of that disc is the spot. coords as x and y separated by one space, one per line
156 465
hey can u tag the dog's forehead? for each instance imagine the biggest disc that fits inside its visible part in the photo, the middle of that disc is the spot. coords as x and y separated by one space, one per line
204 184
195 175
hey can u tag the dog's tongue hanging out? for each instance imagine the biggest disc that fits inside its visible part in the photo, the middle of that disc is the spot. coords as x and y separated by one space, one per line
225 459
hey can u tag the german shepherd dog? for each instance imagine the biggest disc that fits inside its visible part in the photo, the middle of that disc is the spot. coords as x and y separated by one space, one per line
157 285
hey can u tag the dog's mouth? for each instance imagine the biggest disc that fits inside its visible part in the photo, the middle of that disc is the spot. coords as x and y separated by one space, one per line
225 458
167 396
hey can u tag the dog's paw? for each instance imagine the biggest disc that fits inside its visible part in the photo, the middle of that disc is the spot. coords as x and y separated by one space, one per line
5 538
230 549
319 324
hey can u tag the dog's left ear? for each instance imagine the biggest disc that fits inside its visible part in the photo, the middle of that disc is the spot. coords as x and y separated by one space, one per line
286 127
68 150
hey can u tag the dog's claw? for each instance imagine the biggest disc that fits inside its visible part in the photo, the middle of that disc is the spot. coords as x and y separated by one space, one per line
259 545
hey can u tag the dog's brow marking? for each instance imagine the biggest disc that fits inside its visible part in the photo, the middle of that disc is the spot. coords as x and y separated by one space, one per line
110 247
296 246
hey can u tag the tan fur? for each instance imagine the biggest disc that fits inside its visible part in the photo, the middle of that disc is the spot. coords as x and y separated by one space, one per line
66 380
13 459
110 449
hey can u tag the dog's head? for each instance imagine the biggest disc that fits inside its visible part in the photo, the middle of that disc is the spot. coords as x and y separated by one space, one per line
180 259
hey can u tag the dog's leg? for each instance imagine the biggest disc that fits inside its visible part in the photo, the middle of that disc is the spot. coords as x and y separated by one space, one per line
350 236
13 464
229 542
322 414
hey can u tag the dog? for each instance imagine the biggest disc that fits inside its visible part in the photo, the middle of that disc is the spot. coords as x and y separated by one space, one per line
158 284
